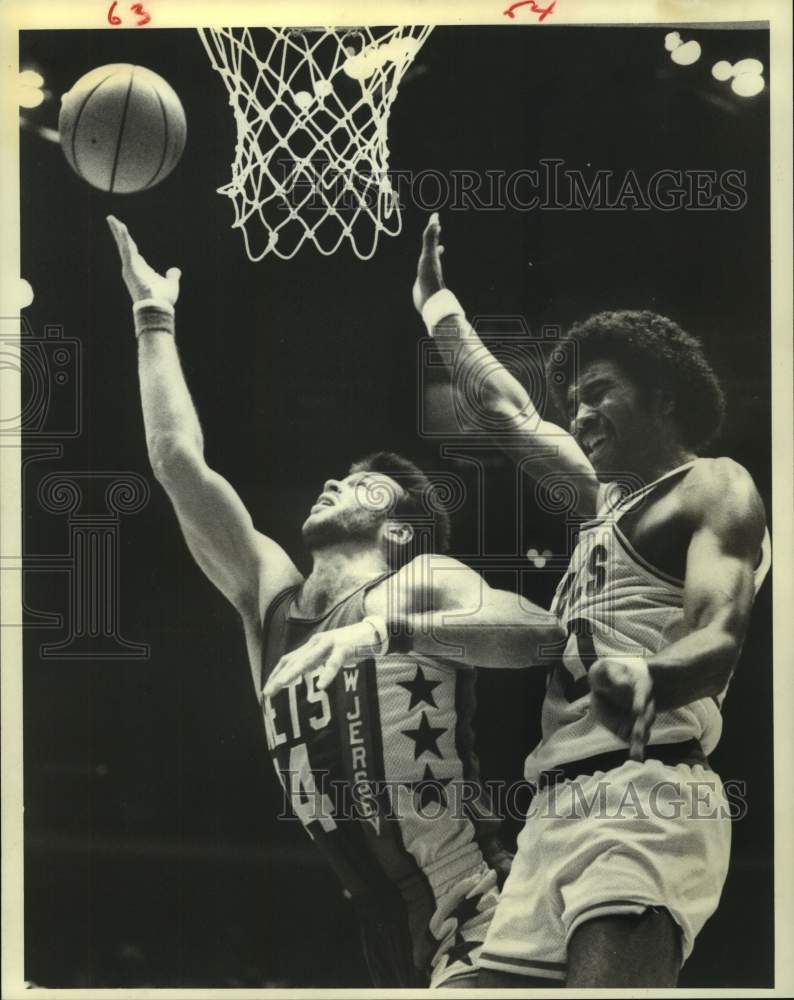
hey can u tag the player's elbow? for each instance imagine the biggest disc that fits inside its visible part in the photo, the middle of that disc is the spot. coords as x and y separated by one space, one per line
726 647
174 457
548 641
729 646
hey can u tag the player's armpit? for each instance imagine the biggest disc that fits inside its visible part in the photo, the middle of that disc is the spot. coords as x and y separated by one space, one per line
219 532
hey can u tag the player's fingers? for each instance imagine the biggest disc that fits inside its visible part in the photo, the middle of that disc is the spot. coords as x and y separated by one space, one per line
308 657
120 235
431 233
272 683
600 678
330 669
595 676
173 272
639 729
641 695
126 237
636 740
287 669
605 713
649 718
640 732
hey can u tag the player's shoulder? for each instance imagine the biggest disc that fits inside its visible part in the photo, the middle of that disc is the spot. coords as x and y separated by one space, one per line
713 479
720 491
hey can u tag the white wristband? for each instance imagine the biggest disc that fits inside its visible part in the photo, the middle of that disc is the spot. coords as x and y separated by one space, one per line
440 305
379 624
153 304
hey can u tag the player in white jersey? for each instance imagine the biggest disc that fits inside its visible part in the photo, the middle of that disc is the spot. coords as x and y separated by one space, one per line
626 846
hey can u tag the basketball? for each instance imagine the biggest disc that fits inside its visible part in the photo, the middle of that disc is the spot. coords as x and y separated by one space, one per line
122 128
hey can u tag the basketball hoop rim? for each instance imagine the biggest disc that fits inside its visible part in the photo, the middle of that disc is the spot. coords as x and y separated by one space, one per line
315 28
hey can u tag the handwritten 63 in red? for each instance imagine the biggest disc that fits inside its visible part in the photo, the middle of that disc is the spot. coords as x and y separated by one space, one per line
135 8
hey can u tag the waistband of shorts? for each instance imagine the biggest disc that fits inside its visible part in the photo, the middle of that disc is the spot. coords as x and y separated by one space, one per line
689 752
451 868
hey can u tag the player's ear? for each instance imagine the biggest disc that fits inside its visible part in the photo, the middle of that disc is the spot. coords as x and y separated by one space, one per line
398 533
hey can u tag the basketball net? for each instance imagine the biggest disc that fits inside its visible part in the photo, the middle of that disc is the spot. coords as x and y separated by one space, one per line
312 154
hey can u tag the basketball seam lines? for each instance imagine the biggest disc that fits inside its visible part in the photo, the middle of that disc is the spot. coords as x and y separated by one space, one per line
165 141
79 116
121 131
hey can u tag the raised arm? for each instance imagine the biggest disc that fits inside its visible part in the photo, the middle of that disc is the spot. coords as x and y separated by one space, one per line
540 445
435 606
242 563
727 518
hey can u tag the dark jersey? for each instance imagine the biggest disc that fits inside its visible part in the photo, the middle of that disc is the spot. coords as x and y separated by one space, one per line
380 770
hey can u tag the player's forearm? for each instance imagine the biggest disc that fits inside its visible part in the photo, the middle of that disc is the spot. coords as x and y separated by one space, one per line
473 365
495 637
169 416
697 666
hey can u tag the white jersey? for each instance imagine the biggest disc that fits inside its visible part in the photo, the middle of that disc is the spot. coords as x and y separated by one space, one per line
612 602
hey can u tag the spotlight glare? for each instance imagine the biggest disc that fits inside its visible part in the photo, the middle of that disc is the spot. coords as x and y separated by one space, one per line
722 70
686 54
30 97
748 66
24 293
747 84
30 78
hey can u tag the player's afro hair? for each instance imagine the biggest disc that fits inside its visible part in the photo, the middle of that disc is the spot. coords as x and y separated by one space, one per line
419 505
656 354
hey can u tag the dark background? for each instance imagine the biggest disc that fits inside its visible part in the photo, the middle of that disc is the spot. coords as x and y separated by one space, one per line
152 851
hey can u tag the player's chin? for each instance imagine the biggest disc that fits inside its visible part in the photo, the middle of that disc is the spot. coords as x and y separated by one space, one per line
309 525
607 469
318 524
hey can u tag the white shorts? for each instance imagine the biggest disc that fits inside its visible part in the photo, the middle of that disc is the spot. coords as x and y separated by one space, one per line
641 835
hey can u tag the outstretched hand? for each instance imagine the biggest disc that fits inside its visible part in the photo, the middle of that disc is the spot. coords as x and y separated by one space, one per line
142 281
622 700
331 650
429 277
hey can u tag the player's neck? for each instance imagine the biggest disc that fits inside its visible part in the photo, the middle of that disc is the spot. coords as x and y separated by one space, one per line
338 570
653 466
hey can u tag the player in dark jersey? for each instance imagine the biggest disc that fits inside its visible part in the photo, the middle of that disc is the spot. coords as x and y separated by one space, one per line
377 762
656 603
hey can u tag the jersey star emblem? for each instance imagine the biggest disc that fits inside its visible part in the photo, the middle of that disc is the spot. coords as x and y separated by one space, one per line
420 689
430 788
466 909
425 737
459 952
